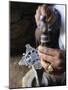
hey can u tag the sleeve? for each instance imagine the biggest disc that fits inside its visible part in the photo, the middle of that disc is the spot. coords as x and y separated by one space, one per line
55 21
54 29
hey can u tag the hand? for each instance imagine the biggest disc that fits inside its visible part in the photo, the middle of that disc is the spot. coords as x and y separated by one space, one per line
53 57
41 11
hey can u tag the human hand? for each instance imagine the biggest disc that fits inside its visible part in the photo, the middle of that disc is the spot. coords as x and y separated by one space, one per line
41 11
53 57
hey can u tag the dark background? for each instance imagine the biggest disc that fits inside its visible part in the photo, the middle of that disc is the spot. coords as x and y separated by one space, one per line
22 26
22 31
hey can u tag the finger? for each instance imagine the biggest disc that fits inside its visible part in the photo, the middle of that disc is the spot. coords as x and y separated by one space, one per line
44 9
44 64
47 58
54 61
43 13
37 16
49 51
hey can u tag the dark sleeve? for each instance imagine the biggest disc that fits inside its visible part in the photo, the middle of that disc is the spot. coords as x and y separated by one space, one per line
57 23
55 30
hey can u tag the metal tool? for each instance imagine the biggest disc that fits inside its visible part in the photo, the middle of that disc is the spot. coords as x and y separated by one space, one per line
31 59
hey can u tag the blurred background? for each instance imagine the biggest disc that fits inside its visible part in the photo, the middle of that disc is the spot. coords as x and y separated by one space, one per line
22 26
22 31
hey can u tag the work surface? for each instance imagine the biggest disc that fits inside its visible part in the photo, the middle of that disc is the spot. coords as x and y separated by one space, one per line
16 72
